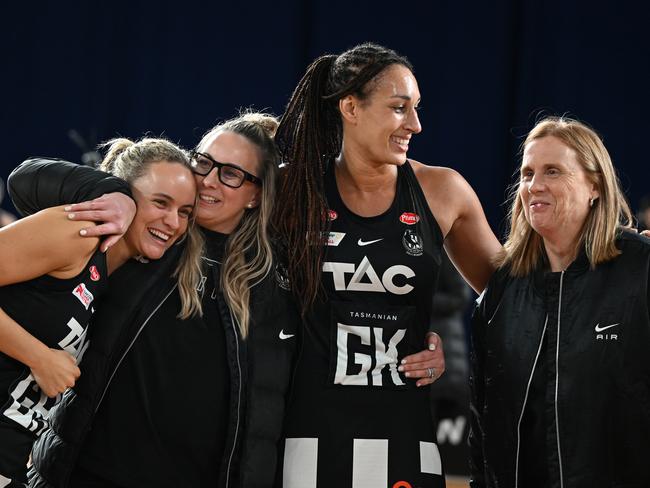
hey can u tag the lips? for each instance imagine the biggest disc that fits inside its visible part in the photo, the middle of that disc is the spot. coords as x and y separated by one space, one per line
207 198
402 142
159 235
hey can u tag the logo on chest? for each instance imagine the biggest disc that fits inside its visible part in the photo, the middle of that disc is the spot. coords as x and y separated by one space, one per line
606 332
83 294
365 278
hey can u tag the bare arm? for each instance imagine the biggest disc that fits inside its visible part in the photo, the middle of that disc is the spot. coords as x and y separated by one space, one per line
44 243
469 241
54 370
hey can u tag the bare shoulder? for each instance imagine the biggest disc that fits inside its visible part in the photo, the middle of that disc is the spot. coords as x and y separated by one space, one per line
52 238
446 191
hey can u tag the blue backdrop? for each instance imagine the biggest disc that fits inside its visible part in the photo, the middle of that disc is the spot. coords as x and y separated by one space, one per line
486 70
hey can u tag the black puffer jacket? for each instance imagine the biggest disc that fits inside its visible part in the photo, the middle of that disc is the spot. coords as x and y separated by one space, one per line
260 366
597 324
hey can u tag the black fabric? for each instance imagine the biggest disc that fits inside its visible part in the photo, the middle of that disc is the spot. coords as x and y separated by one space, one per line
597 378
40 183
57 312
260 368
171 394
379 274
534 424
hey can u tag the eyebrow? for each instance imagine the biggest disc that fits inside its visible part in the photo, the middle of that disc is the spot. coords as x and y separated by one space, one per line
169 197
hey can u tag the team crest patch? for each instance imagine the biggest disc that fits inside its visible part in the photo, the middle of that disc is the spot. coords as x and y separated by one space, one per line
83 294
409 218
412 243
94 273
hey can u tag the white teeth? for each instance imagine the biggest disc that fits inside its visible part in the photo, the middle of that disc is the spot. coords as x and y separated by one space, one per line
159 234
207 198
399 140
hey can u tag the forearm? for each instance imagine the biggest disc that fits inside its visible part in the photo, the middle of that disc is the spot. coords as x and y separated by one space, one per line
41 183
19 344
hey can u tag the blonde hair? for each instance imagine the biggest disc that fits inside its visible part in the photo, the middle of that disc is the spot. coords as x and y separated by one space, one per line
524 247
248 254
130 160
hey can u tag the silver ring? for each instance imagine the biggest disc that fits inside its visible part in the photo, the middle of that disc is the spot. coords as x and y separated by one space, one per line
430 371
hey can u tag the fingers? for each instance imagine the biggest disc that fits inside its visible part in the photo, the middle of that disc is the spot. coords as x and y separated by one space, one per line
101 230
433 341
108 242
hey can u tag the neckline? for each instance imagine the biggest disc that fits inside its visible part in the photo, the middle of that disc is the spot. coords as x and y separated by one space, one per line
340 204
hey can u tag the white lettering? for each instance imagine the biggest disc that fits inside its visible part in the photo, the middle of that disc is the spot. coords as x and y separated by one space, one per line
452 430
365 278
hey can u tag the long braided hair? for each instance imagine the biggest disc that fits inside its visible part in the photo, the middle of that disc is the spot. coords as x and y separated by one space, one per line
309 137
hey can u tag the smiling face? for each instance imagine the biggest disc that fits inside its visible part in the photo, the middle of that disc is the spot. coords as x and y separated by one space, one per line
165 195
380 127
222 207
554 189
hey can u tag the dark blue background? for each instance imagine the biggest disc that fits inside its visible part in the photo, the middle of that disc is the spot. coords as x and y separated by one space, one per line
486 70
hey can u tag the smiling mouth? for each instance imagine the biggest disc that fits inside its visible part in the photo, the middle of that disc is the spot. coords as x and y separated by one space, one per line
207 199
159 235
400 141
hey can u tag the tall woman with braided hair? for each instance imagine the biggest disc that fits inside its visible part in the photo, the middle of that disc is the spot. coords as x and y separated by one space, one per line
375 224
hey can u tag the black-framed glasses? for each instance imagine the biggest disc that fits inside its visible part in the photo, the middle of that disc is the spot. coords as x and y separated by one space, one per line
229 174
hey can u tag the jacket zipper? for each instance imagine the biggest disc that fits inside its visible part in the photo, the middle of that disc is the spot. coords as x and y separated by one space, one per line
130 346
523 407
234 444
557 378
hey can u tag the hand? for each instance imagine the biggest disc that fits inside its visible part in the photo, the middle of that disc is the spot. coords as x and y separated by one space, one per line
115 210
55 372
428 365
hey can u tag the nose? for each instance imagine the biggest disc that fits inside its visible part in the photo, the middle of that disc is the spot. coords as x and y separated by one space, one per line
211 180
172 220
413 122
535 184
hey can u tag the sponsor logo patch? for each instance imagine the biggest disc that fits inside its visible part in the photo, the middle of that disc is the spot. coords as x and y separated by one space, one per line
83 294
334 238
409 218
94 273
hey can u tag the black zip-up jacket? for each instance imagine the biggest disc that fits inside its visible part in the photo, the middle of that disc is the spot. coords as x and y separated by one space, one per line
260 366
597 383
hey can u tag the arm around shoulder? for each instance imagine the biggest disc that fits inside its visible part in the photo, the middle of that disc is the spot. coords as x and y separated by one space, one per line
40 183
469 240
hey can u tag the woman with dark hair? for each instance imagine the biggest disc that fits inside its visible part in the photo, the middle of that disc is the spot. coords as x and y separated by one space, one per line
51 280
560 376
375 224
166 401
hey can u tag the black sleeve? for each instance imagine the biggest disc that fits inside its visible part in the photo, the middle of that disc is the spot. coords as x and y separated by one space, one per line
40 183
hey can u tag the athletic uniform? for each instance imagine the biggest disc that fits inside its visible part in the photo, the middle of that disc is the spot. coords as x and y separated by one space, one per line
354 420
55 311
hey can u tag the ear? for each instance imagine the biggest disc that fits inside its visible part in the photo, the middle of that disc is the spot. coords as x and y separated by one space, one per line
595 194
349 107
255 201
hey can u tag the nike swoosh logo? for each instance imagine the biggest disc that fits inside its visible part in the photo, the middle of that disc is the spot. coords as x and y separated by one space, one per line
600 329
284 336
366 243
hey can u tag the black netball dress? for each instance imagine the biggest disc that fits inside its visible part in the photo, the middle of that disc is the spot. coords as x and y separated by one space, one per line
57 312
355 421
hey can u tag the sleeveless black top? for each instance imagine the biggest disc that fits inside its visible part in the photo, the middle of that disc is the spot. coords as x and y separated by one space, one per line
353 418
55 311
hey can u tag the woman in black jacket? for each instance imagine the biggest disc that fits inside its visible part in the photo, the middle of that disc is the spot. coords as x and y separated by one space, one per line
560 381
157 404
